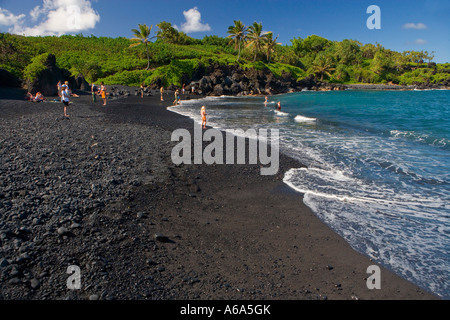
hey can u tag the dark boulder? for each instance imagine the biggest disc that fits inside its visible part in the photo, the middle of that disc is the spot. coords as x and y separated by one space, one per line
236 88
218 90
7 79
307 83
47 80
82 84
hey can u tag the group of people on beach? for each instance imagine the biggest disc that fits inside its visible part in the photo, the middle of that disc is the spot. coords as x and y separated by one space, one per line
38 98
100 91
65 93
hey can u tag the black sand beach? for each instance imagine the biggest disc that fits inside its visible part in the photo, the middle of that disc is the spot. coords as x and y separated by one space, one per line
99 191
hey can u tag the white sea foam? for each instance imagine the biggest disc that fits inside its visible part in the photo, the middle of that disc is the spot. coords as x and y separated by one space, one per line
280 113
300 118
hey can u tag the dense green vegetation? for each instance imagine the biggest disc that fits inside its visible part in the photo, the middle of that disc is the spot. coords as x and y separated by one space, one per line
174 57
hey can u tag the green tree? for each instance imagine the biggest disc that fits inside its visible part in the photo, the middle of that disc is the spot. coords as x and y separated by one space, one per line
348 52
368 51
238 35
169 34
166 32
270 44
341 73
311 45
322 65
141 36
256 38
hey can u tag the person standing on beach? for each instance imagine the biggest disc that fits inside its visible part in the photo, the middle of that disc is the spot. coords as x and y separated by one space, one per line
203 113
65 95
177 97
94 91
183 88
161 90
103 93
279 106
58 86
142 90
66 83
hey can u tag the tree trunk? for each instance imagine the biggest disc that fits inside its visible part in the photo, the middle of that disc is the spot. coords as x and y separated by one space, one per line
148 57
239 52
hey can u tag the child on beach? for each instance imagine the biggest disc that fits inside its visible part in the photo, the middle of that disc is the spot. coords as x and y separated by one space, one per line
65 94
161 90
203 113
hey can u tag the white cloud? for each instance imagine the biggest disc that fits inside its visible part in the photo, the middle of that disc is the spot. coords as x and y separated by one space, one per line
36 12
9 19
420 41
58 17
417 26
193 22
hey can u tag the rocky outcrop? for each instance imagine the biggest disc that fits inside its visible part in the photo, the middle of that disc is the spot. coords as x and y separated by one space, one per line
7 79
82 84
233 80
47 80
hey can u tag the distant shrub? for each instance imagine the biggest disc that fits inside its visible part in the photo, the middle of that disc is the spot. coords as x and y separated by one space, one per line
174 73
129 78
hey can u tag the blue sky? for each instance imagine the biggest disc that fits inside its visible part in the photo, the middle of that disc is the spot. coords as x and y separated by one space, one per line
405 24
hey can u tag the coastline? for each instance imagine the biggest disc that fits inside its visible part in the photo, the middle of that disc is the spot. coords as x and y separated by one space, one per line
229 233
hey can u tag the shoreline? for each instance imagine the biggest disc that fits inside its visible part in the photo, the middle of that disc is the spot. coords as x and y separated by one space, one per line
293 189
229 233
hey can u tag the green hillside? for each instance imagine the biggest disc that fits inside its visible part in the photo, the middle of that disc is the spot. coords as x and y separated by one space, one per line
174 58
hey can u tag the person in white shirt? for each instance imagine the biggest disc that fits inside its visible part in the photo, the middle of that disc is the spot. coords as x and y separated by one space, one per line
65 98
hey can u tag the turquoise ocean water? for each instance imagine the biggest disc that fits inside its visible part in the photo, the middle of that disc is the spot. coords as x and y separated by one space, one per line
378 168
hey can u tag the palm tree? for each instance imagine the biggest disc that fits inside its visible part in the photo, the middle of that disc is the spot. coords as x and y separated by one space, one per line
142 37
256 38
270 45
238 35
322 65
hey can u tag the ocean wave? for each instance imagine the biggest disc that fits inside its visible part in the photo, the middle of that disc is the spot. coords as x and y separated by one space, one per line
300 118
421 137
356 208
280 113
